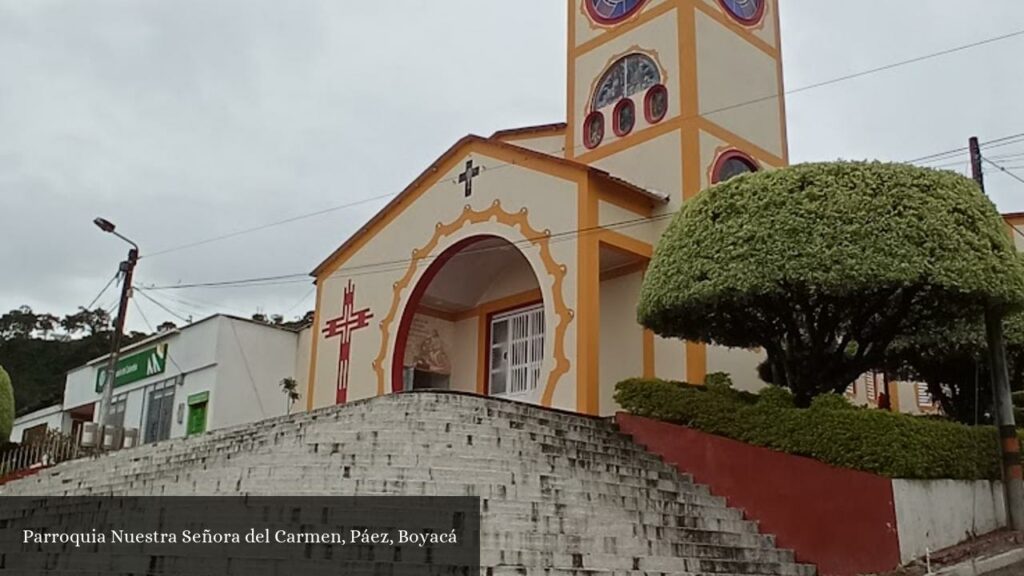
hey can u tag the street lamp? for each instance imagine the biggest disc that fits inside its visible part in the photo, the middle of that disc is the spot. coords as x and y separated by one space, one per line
126 269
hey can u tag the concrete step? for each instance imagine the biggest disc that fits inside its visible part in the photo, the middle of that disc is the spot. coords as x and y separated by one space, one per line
560 494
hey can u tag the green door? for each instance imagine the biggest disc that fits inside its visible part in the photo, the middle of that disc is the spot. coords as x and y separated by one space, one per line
196 419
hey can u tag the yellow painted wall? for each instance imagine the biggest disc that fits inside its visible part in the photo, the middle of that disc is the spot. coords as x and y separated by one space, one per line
669 359
656 38
622 352
625 222
546 203
586 30
652 164
731 74
764 31
465 356
553 145
740 364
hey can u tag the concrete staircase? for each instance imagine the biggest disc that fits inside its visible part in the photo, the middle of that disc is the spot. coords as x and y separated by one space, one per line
561 494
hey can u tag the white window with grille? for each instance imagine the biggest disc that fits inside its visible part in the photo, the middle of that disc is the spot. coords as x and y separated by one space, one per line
517 353
924 397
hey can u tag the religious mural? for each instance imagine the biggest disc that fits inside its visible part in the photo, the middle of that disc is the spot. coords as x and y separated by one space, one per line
427 349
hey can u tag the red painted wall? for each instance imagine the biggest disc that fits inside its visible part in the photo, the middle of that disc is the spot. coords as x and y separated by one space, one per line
841 520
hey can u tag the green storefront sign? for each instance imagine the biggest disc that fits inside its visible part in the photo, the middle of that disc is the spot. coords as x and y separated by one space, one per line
136 367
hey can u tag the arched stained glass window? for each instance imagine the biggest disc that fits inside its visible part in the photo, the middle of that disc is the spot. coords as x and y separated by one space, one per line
624 117
593 130
731 164
627 76
612 11
656 104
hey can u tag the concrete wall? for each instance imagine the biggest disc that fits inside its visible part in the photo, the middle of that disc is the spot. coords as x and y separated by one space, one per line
52 416
841 520
251 362
935 514
302 360
845 521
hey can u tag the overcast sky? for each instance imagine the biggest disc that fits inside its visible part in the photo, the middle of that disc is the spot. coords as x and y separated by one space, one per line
189 119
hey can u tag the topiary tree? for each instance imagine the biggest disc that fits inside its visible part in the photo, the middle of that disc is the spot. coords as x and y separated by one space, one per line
6 407
824 265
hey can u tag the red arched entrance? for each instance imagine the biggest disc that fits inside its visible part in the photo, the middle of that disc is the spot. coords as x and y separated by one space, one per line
459 294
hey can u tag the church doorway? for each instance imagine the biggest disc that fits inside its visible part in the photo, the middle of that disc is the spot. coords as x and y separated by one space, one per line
475 323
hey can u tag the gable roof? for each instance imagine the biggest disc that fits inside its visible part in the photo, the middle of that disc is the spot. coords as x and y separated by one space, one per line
538 130
652 198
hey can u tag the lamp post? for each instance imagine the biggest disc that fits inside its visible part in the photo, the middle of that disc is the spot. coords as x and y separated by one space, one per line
126 269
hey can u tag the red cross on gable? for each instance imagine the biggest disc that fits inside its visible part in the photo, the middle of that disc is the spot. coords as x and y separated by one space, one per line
343 327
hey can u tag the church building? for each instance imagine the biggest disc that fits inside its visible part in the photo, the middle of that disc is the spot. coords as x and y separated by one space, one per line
512 265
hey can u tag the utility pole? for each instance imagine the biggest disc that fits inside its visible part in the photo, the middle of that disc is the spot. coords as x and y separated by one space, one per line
1009 442
126 271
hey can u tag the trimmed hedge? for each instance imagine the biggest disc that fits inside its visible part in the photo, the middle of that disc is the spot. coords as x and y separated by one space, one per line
831 430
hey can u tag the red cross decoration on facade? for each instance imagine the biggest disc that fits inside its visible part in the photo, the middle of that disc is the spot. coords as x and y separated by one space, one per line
343 327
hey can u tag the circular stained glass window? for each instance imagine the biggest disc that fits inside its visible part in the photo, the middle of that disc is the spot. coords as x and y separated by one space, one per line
612 11
747 12
593 130
732 164
656 104
624 117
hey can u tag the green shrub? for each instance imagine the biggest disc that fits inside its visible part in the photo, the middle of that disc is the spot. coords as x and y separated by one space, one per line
831 402
884 443
718 380
6 406
776 396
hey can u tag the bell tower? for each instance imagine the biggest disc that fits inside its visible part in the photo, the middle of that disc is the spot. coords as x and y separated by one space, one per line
674 95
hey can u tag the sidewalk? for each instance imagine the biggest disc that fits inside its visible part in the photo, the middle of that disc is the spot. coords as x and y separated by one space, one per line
999 553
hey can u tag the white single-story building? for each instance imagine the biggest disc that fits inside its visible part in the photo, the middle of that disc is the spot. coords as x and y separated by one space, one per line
218 372
35 424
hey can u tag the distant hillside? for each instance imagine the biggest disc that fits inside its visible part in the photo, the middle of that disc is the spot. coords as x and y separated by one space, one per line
37 350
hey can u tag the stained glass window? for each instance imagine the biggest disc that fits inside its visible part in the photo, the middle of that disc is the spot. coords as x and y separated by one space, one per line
656 104
593 130
624 117
611 11
732 164
628 76
746 11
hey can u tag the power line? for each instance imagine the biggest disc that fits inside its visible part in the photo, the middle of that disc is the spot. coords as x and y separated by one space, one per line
801 89
911 61
161 306
271 280
104 291
301 300
269 225
942 156
154 331
1004 170
391 265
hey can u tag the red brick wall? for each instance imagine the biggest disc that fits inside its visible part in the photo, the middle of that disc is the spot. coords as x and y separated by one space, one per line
841 520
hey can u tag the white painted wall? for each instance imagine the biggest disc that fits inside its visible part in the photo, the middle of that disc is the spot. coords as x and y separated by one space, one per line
240 363
935 514
251 362
52 416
